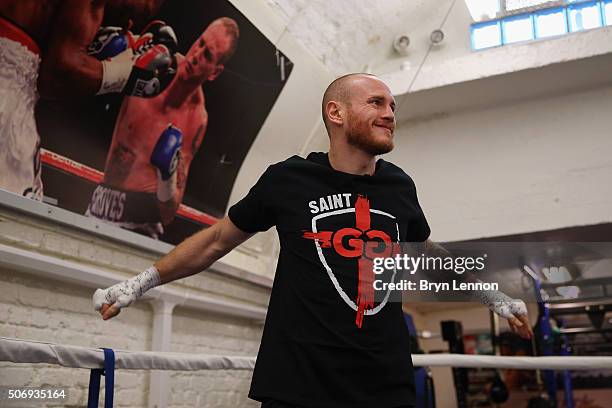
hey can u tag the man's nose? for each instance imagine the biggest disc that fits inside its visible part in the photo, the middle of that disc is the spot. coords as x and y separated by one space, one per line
388 114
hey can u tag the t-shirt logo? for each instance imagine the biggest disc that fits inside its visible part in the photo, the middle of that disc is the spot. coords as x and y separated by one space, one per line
370 237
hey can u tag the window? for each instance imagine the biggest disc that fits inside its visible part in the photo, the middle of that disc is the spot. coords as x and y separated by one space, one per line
607 12
583 16
486 35
514 5
550 23
517 28
501 22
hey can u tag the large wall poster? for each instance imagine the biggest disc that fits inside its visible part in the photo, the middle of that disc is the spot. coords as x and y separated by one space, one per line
164 166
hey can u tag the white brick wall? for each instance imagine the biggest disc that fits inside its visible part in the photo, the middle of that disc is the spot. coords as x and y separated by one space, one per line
39 309
42 309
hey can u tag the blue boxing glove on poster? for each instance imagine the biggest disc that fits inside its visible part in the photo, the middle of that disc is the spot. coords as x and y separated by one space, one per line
165 157
110 42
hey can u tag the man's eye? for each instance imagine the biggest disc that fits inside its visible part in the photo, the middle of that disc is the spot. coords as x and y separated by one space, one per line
208 55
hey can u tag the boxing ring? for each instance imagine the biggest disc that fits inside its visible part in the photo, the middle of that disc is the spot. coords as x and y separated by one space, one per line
106 361
62 163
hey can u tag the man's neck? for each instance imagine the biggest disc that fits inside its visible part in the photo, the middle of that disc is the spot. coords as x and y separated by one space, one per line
180 90
349 159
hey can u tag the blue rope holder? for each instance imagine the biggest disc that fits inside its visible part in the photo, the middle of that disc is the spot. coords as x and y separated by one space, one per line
109 383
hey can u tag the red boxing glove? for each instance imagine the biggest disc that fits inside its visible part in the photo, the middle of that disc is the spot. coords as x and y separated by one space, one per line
149 66
152 72
156 32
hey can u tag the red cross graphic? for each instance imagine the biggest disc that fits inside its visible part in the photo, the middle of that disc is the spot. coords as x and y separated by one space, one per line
357 248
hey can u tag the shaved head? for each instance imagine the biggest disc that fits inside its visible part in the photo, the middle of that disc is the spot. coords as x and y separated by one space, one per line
233 32
340 91
359 112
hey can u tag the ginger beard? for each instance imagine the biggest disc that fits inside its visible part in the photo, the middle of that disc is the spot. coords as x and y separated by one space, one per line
368 135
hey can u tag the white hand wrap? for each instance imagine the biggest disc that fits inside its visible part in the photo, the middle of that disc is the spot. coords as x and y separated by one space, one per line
116 72
166 189
127 292
502 304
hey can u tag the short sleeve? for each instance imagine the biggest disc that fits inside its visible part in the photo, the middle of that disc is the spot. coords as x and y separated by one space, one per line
254 213
420 231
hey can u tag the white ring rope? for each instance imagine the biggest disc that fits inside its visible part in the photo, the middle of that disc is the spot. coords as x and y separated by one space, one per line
24 351
517 363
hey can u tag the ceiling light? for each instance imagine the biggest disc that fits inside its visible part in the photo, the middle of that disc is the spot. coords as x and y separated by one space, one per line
436 36
401 43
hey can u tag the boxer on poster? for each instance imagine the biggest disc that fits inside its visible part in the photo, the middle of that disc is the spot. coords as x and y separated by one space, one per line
62 29
155 140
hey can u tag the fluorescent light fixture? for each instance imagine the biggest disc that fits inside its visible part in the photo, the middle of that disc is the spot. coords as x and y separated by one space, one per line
530 271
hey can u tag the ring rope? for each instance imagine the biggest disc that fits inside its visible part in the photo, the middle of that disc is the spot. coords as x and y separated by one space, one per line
26 351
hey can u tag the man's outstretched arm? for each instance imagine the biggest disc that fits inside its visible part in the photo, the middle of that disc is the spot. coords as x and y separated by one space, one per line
514 310
191 256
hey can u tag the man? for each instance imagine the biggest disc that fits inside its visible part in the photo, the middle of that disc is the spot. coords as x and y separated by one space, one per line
326 343
155 139
63 30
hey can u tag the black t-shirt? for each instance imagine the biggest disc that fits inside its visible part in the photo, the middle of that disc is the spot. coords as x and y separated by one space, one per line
323 345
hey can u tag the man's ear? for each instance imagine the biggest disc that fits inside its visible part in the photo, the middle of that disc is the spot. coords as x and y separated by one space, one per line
334 112
218 70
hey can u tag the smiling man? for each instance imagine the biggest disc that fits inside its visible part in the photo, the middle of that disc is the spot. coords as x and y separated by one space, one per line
327 341
155 139
368 107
